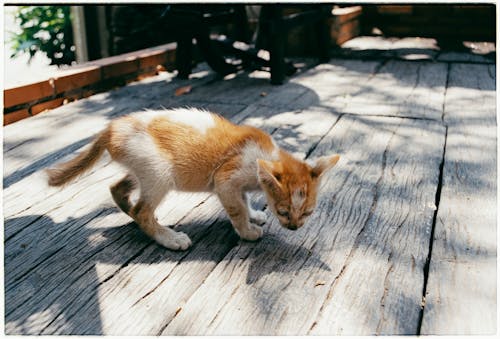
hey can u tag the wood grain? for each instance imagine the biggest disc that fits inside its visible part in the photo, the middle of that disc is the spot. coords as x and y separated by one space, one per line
461 293
402 89
334 84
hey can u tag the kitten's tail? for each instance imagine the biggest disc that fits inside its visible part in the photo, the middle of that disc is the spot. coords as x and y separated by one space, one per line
65 172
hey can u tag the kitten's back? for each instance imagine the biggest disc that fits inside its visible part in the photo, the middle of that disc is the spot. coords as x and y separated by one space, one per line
193 142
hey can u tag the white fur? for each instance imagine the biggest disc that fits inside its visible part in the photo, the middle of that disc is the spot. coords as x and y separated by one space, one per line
258 217
250 153
152 169
192 117
172 239
200 120
146 116
298 199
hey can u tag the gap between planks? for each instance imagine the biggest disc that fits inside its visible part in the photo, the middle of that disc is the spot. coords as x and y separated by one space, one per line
433 229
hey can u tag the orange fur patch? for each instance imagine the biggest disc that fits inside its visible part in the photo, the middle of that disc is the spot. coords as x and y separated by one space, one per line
196 156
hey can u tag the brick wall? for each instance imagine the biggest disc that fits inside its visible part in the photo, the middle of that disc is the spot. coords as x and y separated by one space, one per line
84 80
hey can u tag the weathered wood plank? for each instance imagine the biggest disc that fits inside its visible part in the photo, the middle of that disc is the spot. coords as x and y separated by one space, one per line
231 90
44 290
137 95
394 88
379 289
332 85
43 199
278 286
67 270
461 292
127 292
32 131
402 89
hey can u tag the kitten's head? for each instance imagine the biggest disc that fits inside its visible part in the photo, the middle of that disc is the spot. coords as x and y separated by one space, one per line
291 187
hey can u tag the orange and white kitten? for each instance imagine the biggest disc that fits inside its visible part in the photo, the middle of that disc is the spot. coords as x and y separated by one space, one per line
193 150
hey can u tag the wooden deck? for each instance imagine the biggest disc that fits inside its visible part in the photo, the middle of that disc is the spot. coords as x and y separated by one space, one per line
403 240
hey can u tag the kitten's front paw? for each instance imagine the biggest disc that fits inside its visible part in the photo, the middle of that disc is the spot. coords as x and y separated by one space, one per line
258 217
173 240
252 233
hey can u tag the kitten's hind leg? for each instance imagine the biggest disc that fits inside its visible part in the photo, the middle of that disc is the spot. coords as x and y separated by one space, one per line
143 214
121 192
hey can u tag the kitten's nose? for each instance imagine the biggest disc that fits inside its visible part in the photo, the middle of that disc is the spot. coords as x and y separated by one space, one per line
292 227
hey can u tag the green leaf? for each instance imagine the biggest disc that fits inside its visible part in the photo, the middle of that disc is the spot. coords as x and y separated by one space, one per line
35 22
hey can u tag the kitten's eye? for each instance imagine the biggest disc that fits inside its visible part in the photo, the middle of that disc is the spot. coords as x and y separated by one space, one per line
283 213
307 213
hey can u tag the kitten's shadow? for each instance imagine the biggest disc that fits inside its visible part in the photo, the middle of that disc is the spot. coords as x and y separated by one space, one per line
218 241
36 261
272 254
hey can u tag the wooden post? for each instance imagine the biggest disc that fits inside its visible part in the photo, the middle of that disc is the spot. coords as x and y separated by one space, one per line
324 41
103 31
183 57
79 33
277 44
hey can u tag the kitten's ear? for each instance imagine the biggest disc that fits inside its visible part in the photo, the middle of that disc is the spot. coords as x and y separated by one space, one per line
323 164
269 173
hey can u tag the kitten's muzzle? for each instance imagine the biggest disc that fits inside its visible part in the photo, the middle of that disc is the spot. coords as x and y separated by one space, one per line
293 227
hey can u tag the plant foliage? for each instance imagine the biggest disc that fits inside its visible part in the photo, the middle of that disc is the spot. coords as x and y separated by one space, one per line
45 29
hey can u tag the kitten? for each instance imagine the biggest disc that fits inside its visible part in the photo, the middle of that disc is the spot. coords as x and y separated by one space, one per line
193 150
